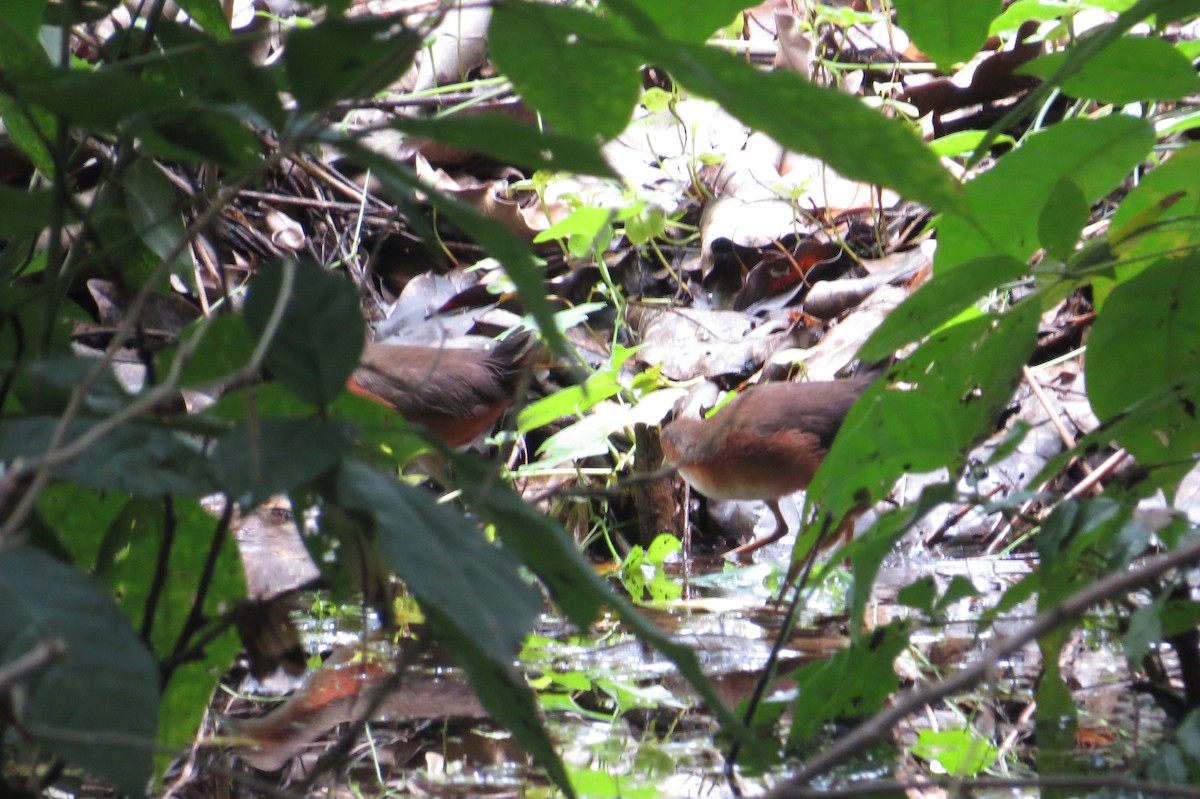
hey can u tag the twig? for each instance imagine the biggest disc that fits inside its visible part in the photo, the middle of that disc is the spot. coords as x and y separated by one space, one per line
195 617
879 725
33 662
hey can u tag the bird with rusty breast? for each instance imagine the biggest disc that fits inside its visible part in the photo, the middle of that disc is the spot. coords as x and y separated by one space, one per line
765 444
457 393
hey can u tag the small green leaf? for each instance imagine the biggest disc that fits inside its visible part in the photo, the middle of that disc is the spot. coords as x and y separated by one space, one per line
946 30
320 337
209 15
1130 69
919 595
960 752
105 689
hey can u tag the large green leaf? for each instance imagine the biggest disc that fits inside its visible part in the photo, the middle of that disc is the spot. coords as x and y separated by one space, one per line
947 31
851 684
594 85
104 691
513 142
961 378
508 698
1151 232
1006 201
343 58
178 536
444 560
217 73
938 301
685 20
837 128
102 99
21 57
272 456
1145 346
140 458
154 213
1130 69
320 337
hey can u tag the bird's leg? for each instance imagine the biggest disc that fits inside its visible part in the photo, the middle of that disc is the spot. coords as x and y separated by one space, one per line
740 553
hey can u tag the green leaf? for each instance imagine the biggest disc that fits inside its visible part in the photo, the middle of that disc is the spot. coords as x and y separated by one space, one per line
103 99
273 456
139 458
1130 69
507 697
510 141
320 337
1149 329
947 31
75 513
919 595
571 401
106 687
199 133
224 347
24 213
30 128
346 58
962 377
1062 218
1144 631
595 84
127 563
25 17
851 684
1166 231
960 752
1095 154
219 74
834 127
209 15
548 550
154 213
938 301
444 560
685 20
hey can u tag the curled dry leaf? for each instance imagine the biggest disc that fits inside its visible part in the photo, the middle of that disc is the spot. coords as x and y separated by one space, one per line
286 233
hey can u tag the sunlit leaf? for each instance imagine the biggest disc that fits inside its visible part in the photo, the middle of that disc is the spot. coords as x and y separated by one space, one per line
1132 68
947 31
